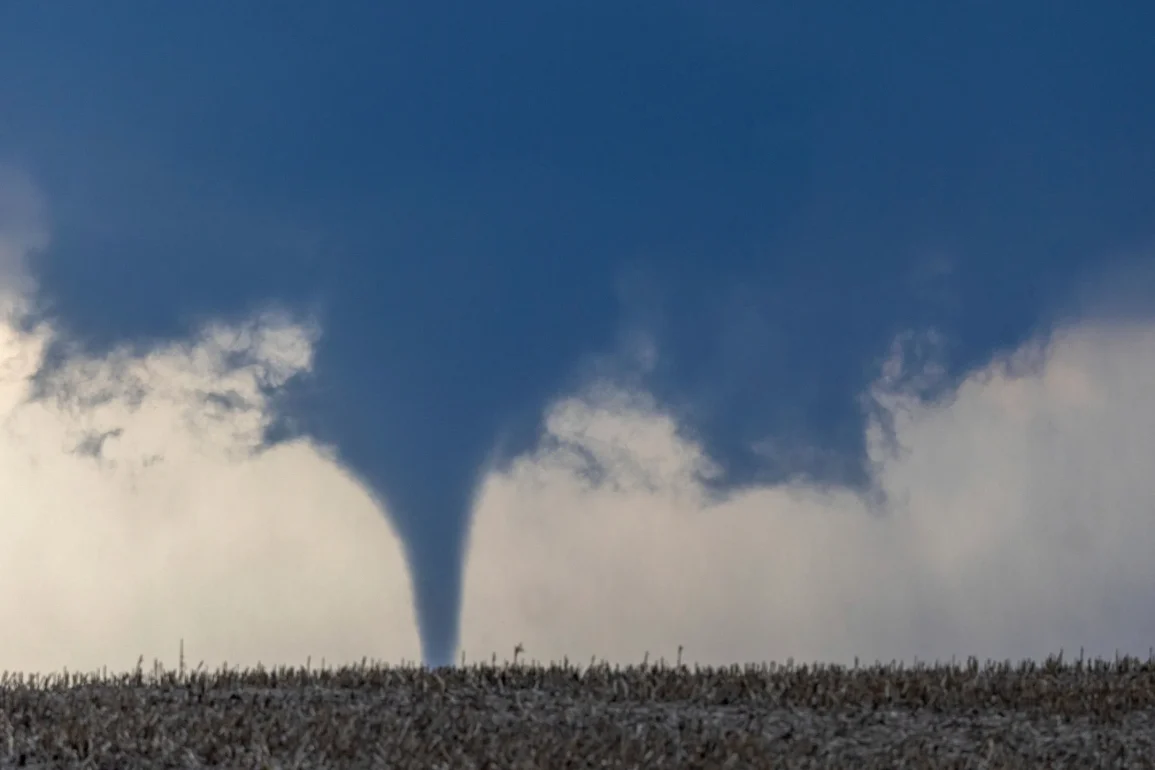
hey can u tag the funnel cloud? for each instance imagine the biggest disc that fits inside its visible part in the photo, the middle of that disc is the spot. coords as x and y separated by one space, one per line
1007 512
567 263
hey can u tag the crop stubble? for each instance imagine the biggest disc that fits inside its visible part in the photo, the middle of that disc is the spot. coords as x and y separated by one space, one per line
997 715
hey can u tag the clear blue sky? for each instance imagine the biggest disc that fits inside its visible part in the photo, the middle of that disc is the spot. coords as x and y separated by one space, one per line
476 197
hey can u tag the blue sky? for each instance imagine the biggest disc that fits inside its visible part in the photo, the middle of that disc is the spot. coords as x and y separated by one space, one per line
736 208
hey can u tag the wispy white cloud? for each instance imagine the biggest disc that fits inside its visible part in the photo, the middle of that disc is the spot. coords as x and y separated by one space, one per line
138 507
1018 519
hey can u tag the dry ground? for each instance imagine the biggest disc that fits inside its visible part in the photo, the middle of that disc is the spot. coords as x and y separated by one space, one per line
1051 714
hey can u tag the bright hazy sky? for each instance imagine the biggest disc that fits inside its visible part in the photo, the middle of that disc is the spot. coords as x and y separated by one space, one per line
403 333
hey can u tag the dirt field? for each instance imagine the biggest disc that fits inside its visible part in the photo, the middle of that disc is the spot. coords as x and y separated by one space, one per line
1052 714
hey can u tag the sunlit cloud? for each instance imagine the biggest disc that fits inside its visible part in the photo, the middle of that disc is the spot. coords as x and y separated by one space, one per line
1010 513
139 506
1017 520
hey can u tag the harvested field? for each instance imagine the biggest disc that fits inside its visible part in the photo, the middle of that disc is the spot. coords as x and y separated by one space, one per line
1051 714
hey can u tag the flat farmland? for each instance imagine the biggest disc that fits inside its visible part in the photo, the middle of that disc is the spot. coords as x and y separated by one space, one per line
525 715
